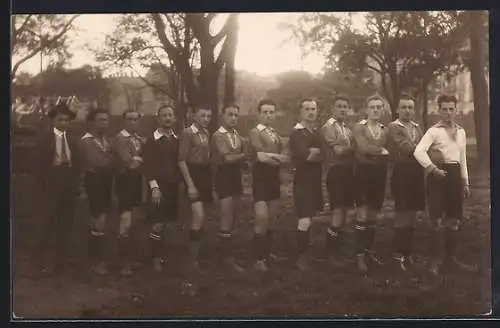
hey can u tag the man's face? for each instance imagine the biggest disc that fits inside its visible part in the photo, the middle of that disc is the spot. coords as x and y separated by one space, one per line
132 121
166 117
340 109
267 114
101 122
406 109
309 111
61 122
230 117
203 117
374 109
448 111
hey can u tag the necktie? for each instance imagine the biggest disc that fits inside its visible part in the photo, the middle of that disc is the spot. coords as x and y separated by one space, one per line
64 154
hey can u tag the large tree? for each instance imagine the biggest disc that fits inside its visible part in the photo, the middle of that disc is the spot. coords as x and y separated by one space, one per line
35 34
478 64
383 46
184 46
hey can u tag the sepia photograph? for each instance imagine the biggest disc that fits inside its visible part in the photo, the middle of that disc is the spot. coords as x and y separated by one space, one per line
250 165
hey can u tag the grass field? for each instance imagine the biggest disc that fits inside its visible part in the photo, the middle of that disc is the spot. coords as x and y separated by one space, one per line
282 292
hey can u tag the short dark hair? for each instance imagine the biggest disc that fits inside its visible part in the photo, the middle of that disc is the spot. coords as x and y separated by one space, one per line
131 110
230 106
265 102
92 114
406 96
343 97
446 98
306 99
197 108
165 107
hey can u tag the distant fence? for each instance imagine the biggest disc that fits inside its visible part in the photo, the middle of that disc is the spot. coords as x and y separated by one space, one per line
23 137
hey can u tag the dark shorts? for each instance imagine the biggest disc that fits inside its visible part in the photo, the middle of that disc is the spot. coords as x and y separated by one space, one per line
266 182
370 184
307 191
167 210
99 187
445 195
128 186
408 186
202 179
340 184
228 181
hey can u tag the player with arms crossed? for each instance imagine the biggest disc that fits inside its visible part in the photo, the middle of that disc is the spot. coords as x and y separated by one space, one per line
228 155
371 173
340 181
127 147
269 153
98 182
307 155
407 183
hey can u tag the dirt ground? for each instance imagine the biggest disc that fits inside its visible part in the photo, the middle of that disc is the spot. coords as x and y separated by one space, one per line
282 292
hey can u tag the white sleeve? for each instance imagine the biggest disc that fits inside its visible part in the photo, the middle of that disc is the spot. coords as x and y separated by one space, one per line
463 160
423 146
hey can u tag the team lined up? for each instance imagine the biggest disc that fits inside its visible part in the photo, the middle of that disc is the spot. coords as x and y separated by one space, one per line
207 164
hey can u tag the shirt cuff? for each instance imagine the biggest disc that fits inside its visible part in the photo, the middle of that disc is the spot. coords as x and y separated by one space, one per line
430 168
153 184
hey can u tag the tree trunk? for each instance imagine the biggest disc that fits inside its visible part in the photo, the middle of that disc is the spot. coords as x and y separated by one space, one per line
229 83
479 89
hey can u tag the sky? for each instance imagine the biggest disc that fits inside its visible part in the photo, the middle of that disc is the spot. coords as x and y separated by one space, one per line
262 46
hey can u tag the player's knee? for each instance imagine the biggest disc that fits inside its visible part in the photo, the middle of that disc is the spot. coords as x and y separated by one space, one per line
304 224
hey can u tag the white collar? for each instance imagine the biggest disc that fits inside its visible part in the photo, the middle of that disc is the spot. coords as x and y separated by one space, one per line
398 121
299 126
87 135
125 133
365 122
58 132
195 129
157 134
331 120
223 130
261 127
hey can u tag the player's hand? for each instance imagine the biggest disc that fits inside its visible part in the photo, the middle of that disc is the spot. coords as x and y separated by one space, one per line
271 159
466 191
439 172
192 192
384 152
156 196
214 195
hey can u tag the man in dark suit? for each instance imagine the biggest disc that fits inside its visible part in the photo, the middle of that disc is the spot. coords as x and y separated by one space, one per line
57 176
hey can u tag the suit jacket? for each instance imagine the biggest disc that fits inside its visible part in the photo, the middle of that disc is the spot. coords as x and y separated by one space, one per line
44 156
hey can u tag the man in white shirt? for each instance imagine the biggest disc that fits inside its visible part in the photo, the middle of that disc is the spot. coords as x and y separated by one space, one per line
447 180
